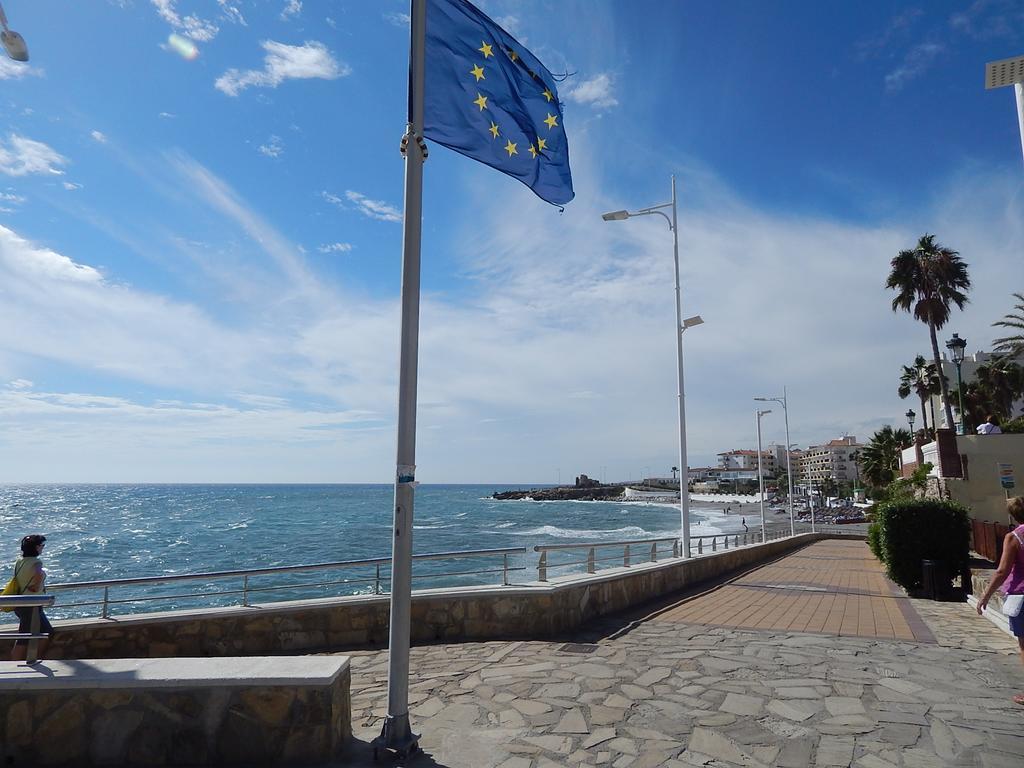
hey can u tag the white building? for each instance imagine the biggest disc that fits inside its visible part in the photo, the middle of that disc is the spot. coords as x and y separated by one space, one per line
831 461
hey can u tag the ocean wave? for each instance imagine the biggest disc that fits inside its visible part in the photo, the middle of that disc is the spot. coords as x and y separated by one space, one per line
581 533
430 527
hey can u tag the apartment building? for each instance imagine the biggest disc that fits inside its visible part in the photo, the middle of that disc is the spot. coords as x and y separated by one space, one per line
831 461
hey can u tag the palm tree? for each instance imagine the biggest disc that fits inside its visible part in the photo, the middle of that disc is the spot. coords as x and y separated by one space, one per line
1011 346
880 458
921 378
928 280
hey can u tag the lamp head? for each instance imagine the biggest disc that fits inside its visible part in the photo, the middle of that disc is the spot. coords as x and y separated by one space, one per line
692 321
14 44
910 417
956 347
615 216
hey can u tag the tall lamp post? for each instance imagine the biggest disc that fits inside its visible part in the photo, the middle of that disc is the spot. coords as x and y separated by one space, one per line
999 74
681 326
910 420
760 477
789 461
956 347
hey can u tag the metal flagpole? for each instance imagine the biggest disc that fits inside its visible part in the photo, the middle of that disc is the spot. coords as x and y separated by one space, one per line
397 733
789 465
684 474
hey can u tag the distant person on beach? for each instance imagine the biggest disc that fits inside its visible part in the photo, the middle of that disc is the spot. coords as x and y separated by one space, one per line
743 521
1011 571
990 426
31 578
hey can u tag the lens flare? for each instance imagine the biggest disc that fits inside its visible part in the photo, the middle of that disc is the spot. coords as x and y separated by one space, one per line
183 47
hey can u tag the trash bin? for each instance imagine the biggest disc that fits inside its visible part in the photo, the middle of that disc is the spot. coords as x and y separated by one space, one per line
935 579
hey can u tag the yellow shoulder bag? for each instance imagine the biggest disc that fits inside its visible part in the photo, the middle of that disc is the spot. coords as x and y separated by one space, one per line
11 588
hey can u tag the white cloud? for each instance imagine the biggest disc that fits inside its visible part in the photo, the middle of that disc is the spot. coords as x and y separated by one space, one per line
272 148
398 18
192 26
167 115
291 8
335 248
231 12
21 156
331 22
98 136
915 63
15 70
596 92
71 186
10 197
20 384
374 209
510 24
18 256
284 62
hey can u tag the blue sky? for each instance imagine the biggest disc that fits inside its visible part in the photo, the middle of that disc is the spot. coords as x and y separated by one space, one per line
200 236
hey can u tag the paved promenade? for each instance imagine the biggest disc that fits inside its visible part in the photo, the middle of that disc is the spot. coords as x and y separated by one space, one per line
814 660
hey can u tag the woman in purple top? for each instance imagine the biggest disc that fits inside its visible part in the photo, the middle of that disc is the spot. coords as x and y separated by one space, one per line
1011 571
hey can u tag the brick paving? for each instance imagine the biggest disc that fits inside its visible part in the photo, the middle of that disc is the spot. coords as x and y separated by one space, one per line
655 689
833 587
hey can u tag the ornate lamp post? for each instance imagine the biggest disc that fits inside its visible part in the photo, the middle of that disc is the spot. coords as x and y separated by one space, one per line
910 420
956 347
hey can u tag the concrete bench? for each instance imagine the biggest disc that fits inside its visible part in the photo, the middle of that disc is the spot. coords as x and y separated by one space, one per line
175 711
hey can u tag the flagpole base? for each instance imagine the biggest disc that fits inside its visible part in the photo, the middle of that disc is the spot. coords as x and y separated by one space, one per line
396 736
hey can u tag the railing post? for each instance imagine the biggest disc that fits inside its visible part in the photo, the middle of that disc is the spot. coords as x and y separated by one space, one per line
106 602
31 653
736 540
591 565
675 547
376 582
625 557
542 567
725 542
714 543
700 545
504 570
654 552
245 590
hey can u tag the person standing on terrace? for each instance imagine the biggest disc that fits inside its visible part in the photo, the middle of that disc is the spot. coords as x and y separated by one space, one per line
28 570
1011 571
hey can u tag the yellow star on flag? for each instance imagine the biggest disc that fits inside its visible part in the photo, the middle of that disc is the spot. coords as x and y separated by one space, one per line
541 144
513 55
481 101
551 120
478 72
548 95
485 49
511 148
533 151
494 130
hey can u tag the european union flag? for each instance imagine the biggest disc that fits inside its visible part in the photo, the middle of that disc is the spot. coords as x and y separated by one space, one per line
489 98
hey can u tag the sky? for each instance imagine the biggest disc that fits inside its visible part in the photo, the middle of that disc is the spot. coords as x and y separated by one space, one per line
201 234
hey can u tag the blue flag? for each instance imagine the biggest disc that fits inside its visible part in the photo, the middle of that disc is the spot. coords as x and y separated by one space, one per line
489 98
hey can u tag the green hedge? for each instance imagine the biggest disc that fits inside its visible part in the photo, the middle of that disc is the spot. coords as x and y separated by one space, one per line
912 530
875 540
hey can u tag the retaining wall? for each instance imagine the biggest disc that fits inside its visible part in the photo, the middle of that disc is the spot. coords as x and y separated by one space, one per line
533 611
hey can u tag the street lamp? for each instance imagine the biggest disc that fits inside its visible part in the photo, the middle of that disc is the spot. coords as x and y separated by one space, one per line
1009 72
789 461
681 325
13 43
760 476
956 347
910 420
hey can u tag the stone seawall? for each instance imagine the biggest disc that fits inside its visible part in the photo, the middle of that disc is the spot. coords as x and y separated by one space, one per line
535 610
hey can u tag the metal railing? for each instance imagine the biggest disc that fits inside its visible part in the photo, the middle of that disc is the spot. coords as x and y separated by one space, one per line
372 566
35 602
645 550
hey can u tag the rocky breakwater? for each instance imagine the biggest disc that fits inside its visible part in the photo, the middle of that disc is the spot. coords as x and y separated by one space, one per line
592 493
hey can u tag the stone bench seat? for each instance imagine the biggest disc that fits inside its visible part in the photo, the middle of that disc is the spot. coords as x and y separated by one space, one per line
175 711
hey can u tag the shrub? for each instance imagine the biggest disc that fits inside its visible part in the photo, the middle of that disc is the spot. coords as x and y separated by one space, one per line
912 530
875 540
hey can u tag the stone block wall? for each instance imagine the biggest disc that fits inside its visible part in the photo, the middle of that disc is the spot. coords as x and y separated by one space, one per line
189 726
536 610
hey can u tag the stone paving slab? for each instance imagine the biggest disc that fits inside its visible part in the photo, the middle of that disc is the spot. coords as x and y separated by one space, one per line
670 693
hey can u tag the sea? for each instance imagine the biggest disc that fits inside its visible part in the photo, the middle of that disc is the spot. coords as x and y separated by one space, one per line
105 532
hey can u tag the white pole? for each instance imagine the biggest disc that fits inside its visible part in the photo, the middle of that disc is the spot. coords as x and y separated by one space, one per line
396 733
1019 90
684 496
789 465
760 479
